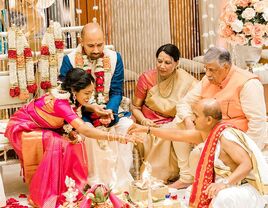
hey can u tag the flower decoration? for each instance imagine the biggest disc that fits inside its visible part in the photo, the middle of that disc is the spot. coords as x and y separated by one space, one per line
98 196
51 55
20 64
100 70
244 22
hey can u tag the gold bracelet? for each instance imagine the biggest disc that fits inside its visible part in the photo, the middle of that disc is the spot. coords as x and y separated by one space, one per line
121 139
114 137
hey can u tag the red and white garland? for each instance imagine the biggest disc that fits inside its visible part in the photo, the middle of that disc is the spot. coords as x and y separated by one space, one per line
51 55
101 71
20 65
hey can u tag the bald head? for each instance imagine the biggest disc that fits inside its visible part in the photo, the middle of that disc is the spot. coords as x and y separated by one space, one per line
211 107
92 40
91 28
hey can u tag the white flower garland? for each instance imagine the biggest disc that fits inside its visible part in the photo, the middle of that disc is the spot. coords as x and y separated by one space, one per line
20 64
51 55
82 61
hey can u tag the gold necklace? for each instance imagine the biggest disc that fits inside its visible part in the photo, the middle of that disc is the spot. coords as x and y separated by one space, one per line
172 81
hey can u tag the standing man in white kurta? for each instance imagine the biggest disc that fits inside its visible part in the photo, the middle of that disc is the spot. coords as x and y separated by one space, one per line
109 162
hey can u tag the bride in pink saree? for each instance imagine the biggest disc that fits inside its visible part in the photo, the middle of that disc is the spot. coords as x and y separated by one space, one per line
47 154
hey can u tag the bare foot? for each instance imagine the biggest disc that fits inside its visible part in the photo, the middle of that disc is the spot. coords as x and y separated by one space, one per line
179 185
30 202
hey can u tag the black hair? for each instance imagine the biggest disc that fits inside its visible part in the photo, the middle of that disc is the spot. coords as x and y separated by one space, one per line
76 79
169 49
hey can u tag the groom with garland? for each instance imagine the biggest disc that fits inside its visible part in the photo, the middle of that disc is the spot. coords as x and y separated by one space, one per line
109 162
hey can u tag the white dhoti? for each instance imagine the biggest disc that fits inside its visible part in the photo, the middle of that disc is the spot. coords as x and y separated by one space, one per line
110 162
245 196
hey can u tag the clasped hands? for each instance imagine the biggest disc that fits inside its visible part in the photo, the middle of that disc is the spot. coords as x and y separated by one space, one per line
106 115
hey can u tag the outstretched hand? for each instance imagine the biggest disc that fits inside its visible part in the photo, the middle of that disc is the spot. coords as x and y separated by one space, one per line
105 113
148 122
134 139
136 128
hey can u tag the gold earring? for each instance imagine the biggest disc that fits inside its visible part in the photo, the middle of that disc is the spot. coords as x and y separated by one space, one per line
74 97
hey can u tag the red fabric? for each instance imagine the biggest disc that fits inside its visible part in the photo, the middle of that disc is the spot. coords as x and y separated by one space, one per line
145 82
204 174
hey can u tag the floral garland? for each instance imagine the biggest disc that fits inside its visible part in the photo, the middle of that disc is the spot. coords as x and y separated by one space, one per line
51 55
20 64
102 71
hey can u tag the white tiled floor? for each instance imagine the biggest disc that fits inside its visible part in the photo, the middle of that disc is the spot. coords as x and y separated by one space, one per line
13 183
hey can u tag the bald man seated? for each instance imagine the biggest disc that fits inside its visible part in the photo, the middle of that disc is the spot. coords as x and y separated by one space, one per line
231 171
109 162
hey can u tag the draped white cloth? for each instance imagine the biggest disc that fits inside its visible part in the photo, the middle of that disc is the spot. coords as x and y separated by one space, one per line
110 162
245 195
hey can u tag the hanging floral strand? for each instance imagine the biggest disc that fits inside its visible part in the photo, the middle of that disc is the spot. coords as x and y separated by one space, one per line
59 43
20 63
12 63
51 55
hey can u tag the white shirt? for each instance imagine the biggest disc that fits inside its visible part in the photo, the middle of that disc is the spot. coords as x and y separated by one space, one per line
252 103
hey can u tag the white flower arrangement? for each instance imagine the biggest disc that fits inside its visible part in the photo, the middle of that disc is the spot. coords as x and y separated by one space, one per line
245 22
71 194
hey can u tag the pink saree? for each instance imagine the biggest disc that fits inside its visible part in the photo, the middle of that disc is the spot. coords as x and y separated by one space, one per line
46 156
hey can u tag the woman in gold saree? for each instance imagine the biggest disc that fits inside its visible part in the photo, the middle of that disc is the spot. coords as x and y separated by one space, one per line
156 95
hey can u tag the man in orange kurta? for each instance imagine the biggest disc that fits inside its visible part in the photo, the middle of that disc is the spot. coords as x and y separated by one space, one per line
238 91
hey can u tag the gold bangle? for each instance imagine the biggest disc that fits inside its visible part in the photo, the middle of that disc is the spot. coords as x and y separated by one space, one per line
121 139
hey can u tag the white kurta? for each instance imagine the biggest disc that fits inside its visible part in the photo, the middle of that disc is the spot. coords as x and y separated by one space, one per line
252 102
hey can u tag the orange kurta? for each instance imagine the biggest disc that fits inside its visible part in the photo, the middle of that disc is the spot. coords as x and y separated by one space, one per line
228 95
